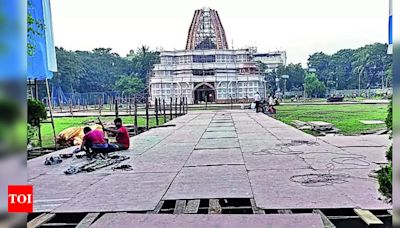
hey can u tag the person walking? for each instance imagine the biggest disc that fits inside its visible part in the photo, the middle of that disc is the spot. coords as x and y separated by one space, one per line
257 100
271 103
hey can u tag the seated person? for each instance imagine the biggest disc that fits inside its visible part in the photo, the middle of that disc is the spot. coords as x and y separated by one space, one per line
122 136
93 142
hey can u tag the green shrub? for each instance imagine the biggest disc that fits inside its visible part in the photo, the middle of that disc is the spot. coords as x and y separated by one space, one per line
36 112
389 154
389 118
385 174
385 181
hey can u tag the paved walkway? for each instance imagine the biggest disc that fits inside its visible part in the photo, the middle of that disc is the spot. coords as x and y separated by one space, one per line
221 154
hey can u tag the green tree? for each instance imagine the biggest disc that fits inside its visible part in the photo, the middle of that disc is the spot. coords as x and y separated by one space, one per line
129 84
296 76
314 87
143 61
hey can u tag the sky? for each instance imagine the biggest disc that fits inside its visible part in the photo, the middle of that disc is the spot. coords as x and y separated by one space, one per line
299 27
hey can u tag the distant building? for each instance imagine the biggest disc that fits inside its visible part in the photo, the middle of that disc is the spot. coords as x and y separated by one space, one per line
272 59
207 69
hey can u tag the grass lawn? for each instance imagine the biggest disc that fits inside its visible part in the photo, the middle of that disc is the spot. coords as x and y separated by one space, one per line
345 117
63 123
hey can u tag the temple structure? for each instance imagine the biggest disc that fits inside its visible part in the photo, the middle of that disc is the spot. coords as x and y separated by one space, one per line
207 70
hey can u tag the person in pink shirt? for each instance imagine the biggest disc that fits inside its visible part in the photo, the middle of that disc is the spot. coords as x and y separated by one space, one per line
93 142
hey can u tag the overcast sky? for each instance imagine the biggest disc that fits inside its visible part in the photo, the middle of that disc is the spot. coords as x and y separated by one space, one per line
301 27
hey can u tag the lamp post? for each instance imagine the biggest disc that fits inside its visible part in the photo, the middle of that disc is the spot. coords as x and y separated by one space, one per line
285 77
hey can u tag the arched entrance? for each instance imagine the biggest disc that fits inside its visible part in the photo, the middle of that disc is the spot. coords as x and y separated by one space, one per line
204 92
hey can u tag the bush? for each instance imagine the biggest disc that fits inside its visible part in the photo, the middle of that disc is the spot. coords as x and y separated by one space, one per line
385 174
385 181
31 134
36 112
389 118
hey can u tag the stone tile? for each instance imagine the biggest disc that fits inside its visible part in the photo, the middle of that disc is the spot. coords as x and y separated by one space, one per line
357 141
362 189
263 135
209 182
219 134
273 189
259 145
277 162
212 129
194 221
140 192
51 191
332 161
217 143
215 157
372 154
221 125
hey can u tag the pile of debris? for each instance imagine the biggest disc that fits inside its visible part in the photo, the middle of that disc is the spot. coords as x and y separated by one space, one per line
322 128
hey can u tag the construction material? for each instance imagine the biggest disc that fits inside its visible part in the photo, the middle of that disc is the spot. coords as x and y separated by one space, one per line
95 164
320 125
38 221
368 217
88 220
53 160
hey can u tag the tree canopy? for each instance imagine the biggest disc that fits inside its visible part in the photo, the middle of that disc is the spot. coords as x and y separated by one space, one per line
101 69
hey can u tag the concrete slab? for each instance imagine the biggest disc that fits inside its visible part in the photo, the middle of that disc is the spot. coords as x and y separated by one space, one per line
290 133
262 135
51 191
121 192
217 221
358 141
277 162
372 122
217 143
221 125
363 190
215 157
332 161
252 146
219 134
208 182
273 189
315 145
373 154
212 129
160 162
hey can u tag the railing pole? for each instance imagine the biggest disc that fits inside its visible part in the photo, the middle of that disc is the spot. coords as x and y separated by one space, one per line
147 114
170 109
176 107
165 118
156 110
135 118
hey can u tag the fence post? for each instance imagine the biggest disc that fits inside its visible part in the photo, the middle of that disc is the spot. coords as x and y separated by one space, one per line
110 101
135 118
231 103
206 102
147 113
156 110
165 118
100 106
187 106
176 107
116 108
180 106
70 108
170 109
130 105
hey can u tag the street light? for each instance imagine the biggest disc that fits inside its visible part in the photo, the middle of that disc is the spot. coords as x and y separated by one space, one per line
284 88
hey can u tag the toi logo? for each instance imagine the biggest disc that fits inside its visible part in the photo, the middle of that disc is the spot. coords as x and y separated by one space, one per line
20 198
